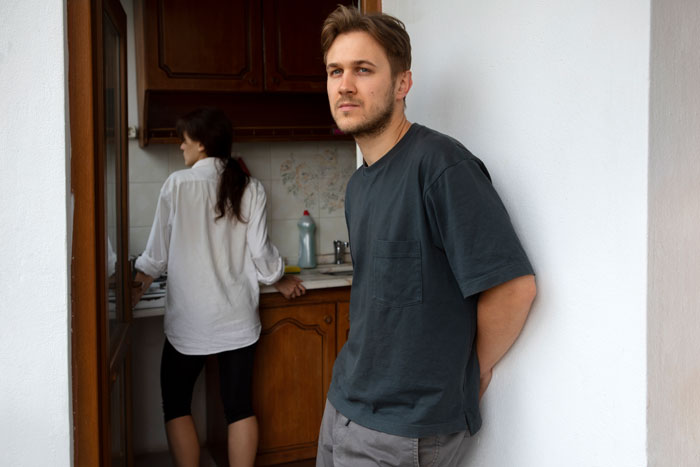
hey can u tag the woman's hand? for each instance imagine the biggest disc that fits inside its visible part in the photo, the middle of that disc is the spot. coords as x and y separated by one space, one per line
140 284
290 287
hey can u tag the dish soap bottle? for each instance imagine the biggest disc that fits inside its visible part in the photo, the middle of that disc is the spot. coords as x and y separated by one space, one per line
307 251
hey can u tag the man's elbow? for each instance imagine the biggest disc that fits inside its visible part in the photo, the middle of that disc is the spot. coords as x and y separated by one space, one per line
523 292
529 289
512 297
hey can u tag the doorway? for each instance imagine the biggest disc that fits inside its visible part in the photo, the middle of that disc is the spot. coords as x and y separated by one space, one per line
100 272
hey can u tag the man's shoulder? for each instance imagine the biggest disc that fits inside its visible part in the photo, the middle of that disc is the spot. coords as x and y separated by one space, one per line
433 145
436 152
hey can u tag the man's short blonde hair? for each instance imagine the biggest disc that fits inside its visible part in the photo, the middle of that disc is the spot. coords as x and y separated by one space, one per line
388 31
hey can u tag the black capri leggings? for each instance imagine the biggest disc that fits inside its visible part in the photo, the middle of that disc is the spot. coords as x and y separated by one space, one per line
178 373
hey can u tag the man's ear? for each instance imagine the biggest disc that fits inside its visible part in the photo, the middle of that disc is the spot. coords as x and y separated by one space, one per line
403 84
200 147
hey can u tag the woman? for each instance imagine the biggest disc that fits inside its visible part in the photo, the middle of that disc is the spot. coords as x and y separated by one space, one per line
210 234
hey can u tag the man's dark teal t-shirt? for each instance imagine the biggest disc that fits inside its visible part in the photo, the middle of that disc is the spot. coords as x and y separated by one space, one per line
427 234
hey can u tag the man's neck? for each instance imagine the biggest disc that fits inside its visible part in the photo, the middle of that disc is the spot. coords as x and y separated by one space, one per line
374 147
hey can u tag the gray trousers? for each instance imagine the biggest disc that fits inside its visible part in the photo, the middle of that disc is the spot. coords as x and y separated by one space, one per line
343 443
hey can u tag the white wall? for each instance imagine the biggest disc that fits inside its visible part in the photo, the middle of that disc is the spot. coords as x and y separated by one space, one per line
553 97
674 235
35 390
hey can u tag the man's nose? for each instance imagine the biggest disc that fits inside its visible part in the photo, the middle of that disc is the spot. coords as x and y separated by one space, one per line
347 84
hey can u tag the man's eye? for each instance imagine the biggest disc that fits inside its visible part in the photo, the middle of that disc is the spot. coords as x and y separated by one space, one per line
334 73
363 70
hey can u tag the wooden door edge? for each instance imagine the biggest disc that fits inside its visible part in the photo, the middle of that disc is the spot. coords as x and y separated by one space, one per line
87 425
371 6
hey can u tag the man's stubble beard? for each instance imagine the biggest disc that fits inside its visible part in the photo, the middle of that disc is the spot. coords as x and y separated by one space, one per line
375 125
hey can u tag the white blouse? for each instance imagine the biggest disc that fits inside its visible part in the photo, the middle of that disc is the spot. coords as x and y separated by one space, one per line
214 266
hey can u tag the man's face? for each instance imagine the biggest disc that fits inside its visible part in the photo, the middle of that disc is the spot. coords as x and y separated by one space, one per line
361 89
192 151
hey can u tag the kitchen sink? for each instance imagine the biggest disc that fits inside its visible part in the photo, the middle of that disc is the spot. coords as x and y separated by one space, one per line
338 273
336 270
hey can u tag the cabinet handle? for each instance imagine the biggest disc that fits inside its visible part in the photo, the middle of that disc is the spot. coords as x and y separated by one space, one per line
328 319
253 81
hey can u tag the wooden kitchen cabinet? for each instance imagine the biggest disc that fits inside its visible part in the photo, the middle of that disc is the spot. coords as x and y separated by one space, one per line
295 358
260 60
293 58
208 45
294 361
215 45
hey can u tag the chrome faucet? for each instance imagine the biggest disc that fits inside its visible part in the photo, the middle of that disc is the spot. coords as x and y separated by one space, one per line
339 247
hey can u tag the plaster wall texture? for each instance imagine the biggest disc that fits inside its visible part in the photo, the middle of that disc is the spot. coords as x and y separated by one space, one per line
674 234
34 218
553 97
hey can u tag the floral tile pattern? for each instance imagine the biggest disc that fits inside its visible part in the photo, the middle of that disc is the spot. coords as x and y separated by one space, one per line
320 177
296 176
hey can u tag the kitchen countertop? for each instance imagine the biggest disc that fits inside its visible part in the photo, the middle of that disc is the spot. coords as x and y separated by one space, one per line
324 276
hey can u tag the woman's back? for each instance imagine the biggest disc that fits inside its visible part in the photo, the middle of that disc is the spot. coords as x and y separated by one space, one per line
213 265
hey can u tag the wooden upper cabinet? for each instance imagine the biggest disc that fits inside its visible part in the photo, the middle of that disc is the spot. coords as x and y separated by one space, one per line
258 60
217 45
209 45
293 57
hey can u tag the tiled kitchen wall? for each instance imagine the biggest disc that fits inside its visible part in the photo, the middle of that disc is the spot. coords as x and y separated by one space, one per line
296 176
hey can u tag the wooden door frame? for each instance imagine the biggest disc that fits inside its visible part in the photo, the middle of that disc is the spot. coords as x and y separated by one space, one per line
88 255
118 343
371 6
91 370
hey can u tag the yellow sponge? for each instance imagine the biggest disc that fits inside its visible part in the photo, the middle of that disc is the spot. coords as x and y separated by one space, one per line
292 269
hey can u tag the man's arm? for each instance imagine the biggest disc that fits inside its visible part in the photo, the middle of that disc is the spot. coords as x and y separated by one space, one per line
501 314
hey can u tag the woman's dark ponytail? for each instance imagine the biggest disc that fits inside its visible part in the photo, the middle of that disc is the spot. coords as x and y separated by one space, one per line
210 127
232 184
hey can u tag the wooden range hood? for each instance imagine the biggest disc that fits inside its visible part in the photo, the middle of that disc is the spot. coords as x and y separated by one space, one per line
255 116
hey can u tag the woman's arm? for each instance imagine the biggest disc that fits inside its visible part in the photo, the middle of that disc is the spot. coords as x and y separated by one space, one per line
266 258
142 282
153 262
154 259
290 286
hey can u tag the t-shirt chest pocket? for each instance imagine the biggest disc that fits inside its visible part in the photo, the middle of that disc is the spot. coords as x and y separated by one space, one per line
397 277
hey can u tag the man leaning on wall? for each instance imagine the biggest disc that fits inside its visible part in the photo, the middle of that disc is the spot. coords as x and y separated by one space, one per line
441 284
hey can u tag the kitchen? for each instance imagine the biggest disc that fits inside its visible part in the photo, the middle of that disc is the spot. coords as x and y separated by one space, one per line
586 113
302 167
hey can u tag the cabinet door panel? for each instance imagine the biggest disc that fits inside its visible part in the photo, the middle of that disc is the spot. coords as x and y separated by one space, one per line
293 58
207 44
293 366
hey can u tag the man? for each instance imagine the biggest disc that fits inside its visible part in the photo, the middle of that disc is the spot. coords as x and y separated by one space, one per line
441 284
